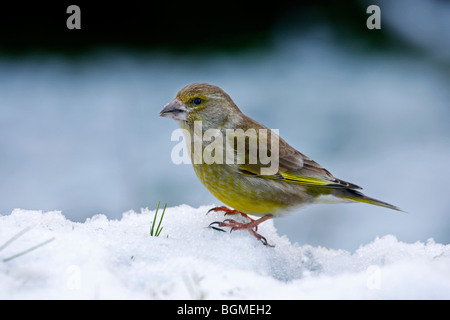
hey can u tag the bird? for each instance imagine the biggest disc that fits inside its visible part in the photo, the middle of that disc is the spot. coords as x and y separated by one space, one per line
245 181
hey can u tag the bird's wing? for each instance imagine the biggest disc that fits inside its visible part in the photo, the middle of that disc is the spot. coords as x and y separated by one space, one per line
311 173
293 166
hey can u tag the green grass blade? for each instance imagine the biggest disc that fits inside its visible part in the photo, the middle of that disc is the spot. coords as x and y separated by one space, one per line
14 238
158 231
28 250
154 220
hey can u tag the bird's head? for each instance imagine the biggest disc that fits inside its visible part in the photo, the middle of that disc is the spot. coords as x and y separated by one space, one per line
201 102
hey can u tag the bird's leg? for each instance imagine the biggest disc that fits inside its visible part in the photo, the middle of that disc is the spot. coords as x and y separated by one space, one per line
234 225
230 212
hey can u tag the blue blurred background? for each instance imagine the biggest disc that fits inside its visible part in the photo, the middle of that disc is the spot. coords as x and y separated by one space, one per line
80 129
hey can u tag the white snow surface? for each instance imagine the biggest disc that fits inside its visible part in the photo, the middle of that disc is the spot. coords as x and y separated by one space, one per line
118 259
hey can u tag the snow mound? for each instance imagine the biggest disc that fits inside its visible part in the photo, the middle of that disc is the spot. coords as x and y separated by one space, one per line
118 259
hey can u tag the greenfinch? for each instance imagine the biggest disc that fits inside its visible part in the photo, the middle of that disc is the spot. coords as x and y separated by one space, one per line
240 175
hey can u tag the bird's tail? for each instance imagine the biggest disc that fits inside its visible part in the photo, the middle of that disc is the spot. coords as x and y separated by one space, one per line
356 196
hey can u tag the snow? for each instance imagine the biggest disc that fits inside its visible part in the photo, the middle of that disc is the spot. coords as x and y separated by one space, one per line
103 258
90 128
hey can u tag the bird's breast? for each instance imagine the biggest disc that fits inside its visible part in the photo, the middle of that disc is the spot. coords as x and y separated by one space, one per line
252 195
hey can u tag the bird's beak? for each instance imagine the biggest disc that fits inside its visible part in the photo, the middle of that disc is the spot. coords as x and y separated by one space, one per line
175 110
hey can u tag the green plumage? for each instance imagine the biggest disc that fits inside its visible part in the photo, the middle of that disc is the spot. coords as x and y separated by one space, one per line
297 181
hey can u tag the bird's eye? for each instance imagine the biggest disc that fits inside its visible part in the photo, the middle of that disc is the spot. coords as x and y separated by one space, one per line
197 101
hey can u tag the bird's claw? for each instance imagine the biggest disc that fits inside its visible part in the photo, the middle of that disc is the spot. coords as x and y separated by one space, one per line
262 239
215 209
216 228
233 225
232 212
225 223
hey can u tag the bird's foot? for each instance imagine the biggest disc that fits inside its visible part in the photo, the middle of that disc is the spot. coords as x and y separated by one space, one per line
230 212
250 227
